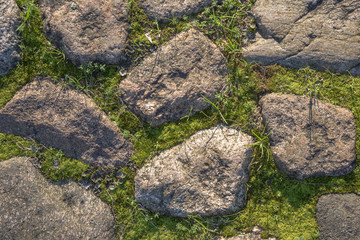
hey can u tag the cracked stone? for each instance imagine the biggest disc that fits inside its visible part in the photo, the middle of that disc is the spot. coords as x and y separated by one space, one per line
309 138
206 175
171 82
9 40
65 119
322 34
35 208
87 30
338 216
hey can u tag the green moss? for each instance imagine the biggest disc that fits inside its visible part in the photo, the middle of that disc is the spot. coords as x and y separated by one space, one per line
13 146
283 207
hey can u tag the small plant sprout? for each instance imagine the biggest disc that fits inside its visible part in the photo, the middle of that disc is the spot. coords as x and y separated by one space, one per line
216 107
261 146
25 19
187 116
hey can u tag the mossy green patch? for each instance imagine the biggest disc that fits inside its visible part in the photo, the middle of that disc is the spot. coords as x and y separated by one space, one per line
283 207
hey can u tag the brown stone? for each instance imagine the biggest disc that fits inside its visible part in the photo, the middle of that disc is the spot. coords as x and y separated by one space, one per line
171 82
206 175
65 119
9 40
87 30
166 10
309 138
31 207
338 216
316 33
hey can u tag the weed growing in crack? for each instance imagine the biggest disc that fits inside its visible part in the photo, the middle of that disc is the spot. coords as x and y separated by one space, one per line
216 107
25 17
261 145
90 73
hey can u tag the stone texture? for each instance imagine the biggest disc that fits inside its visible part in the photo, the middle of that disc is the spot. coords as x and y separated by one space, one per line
338 216
166 10
31 207
170 82
9 22
65 119
309 138
316 33
205 175
87 30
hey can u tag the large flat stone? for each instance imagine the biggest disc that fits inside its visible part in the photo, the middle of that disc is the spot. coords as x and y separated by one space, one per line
9 40
338 216
87 30
309 138
166 10
205 175
31 207
65 119
316 33
171 82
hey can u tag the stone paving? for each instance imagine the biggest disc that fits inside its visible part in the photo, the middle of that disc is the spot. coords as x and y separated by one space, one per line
65 119
176 80
9 39
167 10
32 207
208 173
338 216
323 34
87 30
309 138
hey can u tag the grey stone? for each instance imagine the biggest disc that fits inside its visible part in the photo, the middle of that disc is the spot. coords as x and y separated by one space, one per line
316 33
309 138
338 216
31 207
205 175
87 30
9 40
171 82
166 10
65 119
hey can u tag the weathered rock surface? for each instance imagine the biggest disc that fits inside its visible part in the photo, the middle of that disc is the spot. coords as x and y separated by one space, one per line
316 33
309 138
65 119
9 22
338 216
205 175
33 208
166 10
87 30
171 82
